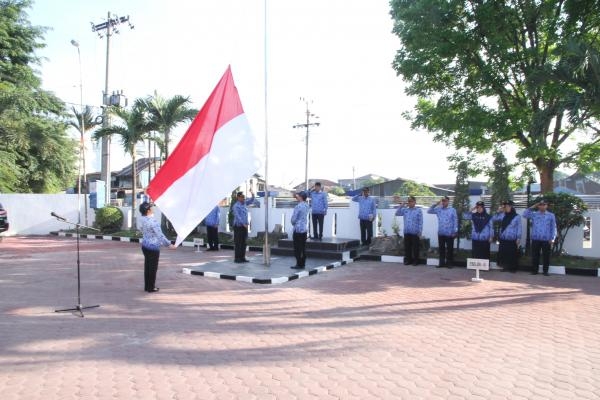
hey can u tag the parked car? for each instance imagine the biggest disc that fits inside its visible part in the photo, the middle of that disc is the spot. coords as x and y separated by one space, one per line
3 219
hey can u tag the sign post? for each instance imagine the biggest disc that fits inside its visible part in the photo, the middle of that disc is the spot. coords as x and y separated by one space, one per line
478 264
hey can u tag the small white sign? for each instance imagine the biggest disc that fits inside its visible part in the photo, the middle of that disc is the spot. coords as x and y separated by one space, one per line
478 263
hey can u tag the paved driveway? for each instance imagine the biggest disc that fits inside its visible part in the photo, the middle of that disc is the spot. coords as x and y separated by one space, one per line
366 330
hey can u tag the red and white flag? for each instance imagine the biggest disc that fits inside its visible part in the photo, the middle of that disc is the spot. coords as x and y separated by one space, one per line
217 153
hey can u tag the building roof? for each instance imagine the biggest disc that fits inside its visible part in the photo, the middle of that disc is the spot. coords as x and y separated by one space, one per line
140 165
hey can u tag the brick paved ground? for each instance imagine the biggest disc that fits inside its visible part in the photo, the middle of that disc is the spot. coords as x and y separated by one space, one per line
367 330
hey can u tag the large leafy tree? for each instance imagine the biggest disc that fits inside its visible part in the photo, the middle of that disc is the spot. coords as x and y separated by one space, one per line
134 128
36 154
412 188
492 72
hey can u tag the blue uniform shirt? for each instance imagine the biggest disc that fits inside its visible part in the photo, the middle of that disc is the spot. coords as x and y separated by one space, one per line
413 219
153 236
485 234
214 217
366 207
513 231
240 212
318 202
300 217
543 225
447 219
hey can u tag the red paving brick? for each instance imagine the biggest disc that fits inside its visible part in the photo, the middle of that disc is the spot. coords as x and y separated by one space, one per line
366 330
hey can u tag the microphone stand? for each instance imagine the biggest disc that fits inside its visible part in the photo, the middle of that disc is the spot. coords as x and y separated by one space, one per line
79 308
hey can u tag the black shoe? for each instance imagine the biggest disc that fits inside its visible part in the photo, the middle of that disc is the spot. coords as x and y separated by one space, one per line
512 271
297 267
238 261
546 274
533 272
407 263
245 260
449 266
153 290
415 263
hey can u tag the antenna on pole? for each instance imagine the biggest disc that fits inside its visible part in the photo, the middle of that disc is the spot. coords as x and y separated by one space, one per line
307 125
107 28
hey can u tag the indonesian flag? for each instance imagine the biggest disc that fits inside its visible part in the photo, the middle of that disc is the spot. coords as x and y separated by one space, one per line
216 154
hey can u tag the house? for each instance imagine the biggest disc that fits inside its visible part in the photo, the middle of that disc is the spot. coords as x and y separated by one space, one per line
357 183
326 184
580 183
476 188
122 180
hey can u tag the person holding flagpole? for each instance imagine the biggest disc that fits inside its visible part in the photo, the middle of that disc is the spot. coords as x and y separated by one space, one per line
240 226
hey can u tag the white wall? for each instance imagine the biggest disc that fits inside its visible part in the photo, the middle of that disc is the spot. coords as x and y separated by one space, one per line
29 214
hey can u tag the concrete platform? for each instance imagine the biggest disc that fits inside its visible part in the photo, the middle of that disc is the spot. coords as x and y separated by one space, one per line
257 271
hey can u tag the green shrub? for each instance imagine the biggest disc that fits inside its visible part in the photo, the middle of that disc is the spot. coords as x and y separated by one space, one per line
109 219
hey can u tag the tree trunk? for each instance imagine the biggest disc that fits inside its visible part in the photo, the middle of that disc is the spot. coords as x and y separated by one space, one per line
546 171
133 184
167 138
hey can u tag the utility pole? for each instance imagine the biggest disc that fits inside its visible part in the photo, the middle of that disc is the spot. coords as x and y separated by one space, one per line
307 125
111 27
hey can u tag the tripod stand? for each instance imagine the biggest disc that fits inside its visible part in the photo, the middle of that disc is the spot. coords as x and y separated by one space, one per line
79 308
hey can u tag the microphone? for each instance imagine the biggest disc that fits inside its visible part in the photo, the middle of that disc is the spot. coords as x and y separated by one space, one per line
58 217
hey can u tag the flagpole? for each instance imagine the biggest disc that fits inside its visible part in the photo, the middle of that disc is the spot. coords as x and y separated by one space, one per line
267 249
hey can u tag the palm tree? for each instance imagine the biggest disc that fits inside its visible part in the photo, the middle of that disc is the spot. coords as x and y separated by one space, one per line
166 114
135 128
83 122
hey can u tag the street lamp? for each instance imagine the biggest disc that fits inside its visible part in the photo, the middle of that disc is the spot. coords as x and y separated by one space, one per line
81 140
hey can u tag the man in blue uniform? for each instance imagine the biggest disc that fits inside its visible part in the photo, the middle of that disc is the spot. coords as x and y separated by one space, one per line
300 223
413 229
240 226
366 214
318 205
212 228
447 230
543 234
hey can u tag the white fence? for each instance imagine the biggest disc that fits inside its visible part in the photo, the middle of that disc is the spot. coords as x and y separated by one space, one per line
29 214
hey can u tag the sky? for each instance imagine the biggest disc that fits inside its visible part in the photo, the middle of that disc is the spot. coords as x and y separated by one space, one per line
334 54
